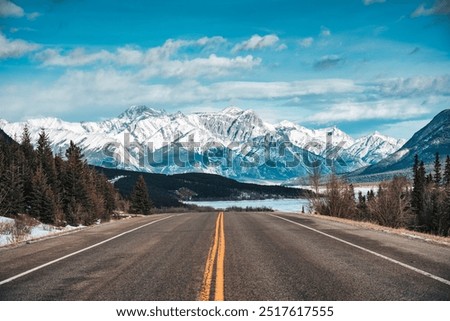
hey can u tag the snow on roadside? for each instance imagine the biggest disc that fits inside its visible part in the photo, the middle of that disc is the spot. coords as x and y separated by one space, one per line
4 222
7 236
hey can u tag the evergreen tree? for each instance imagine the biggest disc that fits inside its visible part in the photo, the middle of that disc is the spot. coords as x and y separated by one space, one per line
26 145
437 170
140 201
43 205
11 193
416 168
45 159
51 189
417 202
28 165
446 214
447 172
94 206
74 190
109 196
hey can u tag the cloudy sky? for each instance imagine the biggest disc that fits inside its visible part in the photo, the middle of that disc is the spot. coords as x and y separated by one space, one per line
363 65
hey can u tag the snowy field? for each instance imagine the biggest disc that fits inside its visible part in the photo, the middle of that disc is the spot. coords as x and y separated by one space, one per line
9 235
282 205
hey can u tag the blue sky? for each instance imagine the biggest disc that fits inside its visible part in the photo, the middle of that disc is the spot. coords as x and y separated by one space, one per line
363 65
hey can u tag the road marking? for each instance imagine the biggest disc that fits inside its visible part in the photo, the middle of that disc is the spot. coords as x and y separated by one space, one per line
412 268
207 276
216 255
219 291
80 251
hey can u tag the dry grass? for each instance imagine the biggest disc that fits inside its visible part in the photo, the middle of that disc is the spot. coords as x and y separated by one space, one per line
19 230
398 231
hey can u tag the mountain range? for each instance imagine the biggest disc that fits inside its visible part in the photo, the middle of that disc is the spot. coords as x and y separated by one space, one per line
433 138
235 143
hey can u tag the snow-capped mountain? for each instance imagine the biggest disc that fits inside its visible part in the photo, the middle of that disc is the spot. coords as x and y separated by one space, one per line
233 142
434 137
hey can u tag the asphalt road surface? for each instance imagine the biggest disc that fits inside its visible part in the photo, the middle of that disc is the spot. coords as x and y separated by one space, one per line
226 256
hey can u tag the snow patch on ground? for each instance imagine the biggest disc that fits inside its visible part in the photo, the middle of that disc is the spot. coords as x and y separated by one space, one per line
9 235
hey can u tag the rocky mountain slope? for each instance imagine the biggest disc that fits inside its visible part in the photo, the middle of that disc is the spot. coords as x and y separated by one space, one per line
233 143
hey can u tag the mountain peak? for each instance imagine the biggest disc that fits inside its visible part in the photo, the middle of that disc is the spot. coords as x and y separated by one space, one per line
433 137
142 110
287 124
232 110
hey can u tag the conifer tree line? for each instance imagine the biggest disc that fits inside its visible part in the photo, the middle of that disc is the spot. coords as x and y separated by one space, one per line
57 190
423 205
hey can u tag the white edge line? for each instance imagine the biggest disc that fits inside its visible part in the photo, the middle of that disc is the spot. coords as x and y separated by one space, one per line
79 251
434 277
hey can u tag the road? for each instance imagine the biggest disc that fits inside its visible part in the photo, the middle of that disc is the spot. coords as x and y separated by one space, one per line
226 256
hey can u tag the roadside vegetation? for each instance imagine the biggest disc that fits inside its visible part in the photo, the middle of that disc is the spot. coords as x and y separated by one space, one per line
58 190
422 205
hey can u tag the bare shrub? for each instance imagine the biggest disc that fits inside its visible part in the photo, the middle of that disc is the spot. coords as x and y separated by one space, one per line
391 206
338 199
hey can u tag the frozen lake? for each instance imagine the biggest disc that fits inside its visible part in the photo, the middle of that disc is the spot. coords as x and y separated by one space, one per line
282 205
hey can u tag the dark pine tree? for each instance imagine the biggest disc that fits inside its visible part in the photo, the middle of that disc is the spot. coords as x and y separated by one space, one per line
45 159
418 192
29 165
11 191
140 201
74 191
43 205
447 172
429 179
437 170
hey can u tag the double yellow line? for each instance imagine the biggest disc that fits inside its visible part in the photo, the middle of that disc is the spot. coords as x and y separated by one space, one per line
216 256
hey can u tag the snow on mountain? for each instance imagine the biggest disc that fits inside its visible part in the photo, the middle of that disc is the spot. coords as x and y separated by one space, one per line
319 140
434 137
372 148
232 142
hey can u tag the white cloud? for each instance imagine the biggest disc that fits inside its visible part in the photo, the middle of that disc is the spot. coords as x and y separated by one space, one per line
155 62
107 89
33 16
324 31
369 2
306 42
76 57
208 41
171 47
280 90
440 7
210 67
15 48
281 47
357 111
127 55
9 9
414 86
257 42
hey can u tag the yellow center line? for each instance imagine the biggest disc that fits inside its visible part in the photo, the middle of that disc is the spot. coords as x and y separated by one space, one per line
217 250
219 291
